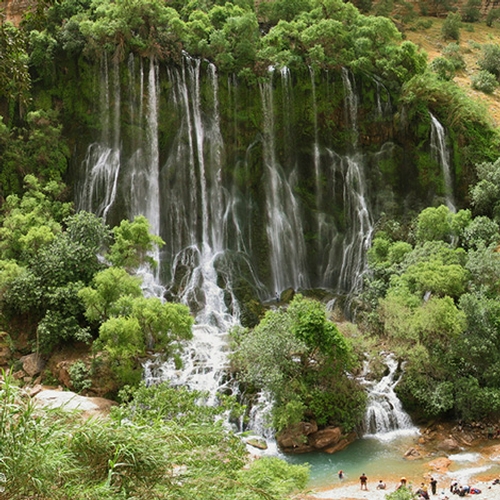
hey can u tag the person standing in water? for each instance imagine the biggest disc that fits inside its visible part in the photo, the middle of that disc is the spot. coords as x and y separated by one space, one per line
433 484
363 480
341 474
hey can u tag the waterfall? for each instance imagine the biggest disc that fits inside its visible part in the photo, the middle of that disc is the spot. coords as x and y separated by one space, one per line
351 103
385 417
440 153
101 166
279 208
316 154
359 228
196 233
284 218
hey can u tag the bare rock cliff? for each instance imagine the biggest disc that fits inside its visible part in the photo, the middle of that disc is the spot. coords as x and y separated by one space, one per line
14 10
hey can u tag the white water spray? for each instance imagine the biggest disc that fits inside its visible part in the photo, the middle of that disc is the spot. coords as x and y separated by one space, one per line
385 418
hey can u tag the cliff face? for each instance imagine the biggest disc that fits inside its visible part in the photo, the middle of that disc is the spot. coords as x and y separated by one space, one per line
15 9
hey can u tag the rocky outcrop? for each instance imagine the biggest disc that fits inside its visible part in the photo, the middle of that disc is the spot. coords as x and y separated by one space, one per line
305 437
70 401
15 9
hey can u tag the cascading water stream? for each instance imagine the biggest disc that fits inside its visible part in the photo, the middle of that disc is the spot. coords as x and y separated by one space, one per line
197 158
385 417
102 162
441 154
284 221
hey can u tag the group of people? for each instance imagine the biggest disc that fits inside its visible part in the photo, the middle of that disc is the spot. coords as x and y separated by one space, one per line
462 490
422 491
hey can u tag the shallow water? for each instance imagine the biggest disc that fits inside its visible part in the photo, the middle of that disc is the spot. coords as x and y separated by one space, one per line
379 459
384 459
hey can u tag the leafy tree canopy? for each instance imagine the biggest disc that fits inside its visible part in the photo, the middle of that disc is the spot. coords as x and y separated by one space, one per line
301 358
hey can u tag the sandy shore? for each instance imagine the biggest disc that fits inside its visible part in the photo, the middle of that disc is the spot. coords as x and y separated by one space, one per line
352 491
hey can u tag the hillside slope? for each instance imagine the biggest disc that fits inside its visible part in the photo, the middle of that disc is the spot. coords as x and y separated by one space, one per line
472 38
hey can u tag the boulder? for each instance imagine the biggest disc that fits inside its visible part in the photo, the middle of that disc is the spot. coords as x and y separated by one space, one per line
343 443
33 364
257 442
294 438
325 437
412 454
71 401
448 444
305 437
440 465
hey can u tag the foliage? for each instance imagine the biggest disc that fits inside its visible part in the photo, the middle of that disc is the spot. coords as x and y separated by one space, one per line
133 244
108 286
443 67
453 54
37 147
438 307
490 59
301 358
132 454
402 493
484 81
80 376
492 16
33 220
450 29
485 193
129 323
15 79
471 11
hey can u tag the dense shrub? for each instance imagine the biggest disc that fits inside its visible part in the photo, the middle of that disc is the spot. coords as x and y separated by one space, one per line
484 81
450 29
490 59
443 67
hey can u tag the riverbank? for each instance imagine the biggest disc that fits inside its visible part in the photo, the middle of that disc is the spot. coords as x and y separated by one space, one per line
352 491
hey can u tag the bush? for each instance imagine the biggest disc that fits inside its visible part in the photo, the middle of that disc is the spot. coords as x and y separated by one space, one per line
471 11
490 60
451 27
492 16
484 81
443 67
453 54
79 375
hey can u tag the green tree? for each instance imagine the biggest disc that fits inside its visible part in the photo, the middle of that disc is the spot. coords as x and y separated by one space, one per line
33 220
15 81
133 244
485 193
301 359
484 81
108 286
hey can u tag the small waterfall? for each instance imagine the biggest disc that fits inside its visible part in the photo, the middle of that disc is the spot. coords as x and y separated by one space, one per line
102 163
316 154
385 417
441 154
284 225
351 103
